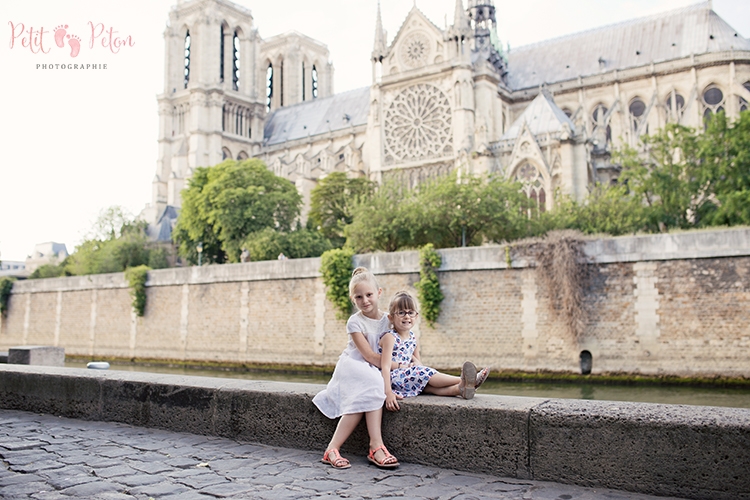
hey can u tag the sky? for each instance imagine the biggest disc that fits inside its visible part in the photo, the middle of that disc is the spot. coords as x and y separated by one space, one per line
75 142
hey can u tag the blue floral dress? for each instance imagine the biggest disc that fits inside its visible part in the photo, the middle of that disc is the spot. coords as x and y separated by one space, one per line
411 381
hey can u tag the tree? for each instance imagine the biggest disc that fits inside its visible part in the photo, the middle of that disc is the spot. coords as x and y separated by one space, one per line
724 150
225 203
384 221
332 203
455 211
268 244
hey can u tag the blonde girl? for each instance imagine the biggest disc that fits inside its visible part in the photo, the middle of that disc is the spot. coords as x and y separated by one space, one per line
410 377
356 386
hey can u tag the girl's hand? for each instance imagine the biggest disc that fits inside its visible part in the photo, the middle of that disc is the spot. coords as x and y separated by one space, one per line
391 402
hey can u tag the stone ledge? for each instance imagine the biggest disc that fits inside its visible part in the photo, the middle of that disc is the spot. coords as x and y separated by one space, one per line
685 451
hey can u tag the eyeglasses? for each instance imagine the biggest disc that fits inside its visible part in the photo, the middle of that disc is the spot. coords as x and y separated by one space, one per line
411 314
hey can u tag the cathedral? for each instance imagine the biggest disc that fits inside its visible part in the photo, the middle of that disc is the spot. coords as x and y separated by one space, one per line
548 114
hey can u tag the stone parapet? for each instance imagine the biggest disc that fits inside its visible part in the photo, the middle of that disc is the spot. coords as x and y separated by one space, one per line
684 451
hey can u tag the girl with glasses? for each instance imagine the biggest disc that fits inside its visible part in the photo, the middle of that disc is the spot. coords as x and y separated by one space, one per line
411 378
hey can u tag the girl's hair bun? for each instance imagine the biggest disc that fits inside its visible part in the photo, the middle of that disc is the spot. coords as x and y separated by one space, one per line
359 270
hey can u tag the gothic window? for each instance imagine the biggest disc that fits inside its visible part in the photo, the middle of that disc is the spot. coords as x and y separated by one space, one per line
675 106
225 153
281 83
236 62
743 101
568 112
314 76
418 125
269 86
637 110
187 59
303 81
713 102
221 56
602 130
533 185
242 156
178 120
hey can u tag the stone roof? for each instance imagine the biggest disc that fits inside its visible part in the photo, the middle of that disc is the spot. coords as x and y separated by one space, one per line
318 116
675 34
542 116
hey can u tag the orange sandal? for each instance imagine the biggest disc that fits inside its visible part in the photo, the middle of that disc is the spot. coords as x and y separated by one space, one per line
337 461
388 462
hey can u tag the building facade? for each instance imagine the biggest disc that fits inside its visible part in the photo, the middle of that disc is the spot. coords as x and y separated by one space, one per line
548 114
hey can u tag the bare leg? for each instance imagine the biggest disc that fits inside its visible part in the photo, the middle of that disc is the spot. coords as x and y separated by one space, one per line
344 429
451 390
374 420
442 380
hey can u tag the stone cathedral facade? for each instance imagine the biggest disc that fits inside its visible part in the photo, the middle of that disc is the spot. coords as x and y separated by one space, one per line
548 114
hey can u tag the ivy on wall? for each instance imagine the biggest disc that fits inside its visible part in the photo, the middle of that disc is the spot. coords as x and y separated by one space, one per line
336 267
428 286
136 278
6 285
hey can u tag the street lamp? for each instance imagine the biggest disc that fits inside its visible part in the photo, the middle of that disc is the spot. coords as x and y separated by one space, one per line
200 252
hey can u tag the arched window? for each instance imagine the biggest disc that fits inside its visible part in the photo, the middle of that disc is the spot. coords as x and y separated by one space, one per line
533 186
281 83
221 56
568 112
713 102
601 129
637 110
269 86
225 153
303 81
187 59
743 101
675 105
314 75
236 62
242 156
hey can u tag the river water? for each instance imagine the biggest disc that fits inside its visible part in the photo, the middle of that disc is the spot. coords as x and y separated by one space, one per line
703 396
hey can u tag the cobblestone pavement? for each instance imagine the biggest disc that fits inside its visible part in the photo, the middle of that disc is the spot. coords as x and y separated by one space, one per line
47 457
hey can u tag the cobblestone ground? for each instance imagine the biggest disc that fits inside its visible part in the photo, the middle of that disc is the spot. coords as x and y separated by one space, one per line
47 457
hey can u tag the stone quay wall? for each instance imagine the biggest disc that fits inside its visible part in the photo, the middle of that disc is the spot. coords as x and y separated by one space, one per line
671 304
670 450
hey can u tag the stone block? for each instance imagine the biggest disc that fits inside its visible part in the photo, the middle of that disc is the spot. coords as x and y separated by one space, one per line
36 355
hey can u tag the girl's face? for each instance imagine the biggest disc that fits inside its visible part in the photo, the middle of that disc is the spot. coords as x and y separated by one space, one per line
403 321
366 297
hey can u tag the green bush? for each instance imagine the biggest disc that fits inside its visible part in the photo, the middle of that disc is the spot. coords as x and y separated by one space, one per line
336 267
6 285
428 286
136 278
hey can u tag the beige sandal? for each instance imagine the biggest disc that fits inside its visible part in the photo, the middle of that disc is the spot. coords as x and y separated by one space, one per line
482 377
466 388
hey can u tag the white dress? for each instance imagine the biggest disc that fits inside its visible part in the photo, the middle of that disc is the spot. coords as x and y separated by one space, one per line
356 386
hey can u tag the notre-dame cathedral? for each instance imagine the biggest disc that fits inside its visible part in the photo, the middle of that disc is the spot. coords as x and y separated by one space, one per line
547 114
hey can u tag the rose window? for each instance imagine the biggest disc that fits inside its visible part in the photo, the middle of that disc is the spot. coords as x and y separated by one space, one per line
415 50
418 125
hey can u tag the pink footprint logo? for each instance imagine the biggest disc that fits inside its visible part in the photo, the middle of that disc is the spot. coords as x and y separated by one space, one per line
60 35
75 45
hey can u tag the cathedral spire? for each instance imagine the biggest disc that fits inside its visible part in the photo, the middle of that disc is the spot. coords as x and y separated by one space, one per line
379 47
461 28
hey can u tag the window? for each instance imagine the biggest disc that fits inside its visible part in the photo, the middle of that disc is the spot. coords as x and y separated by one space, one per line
675 105
314 87
221 56
303 81
236 62
637 110
281 83
269 86
713 102
743 101
187 59
533 186
601 129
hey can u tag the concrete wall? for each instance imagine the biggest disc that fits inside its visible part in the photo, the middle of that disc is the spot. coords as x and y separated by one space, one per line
663 304
683 451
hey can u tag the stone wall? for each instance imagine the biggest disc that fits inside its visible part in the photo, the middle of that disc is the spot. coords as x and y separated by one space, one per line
675 304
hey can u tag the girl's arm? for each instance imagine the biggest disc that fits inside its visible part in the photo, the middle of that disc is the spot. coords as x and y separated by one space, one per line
366 351
364 348
415 356
386 342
